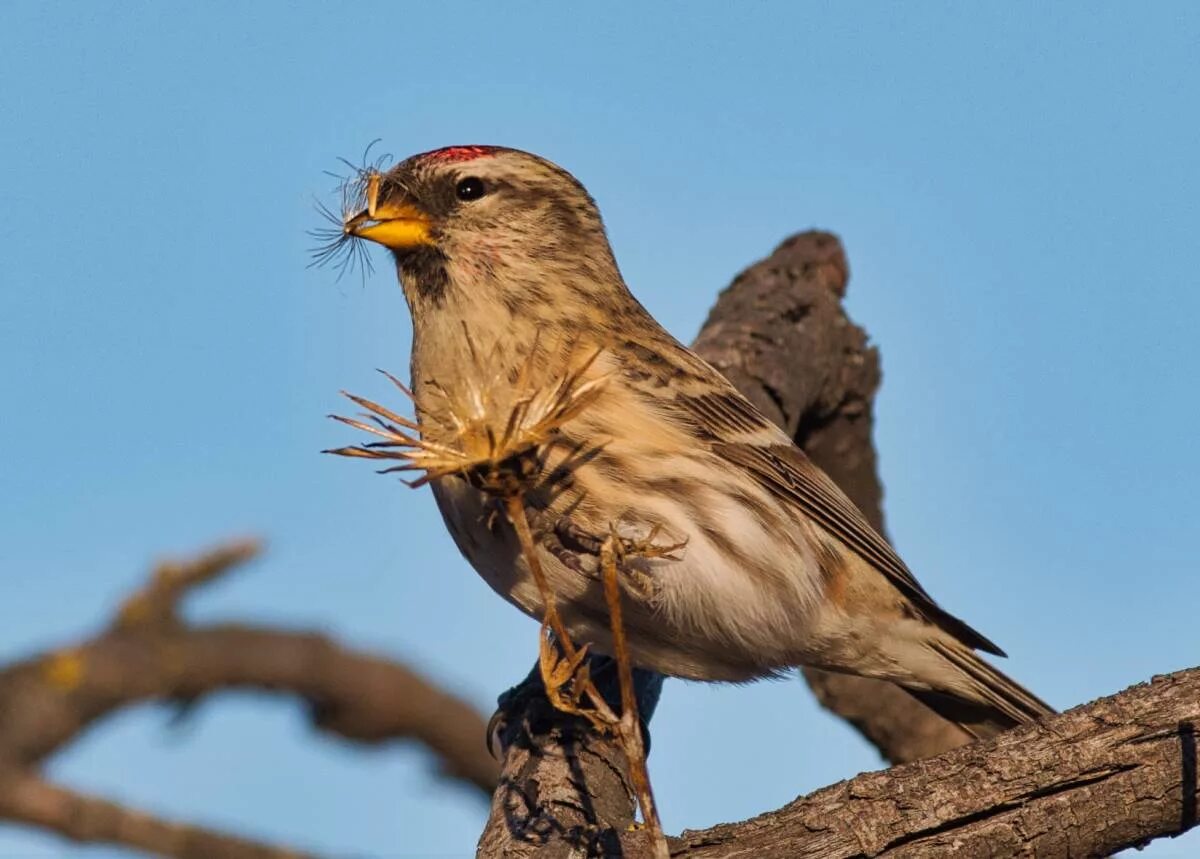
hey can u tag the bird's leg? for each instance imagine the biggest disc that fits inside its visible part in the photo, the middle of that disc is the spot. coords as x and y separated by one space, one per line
628 727
569 673
514 506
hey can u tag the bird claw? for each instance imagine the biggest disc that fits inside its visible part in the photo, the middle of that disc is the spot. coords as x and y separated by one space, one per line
578 541
567 681
625 549
645 547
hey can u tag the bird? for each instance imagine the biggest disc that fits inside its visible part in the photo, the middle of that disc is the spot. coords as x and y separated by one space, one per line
743 559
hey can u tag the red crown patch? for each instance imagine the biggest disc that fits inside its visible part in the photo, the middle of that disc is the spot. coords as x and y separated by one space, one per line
451 154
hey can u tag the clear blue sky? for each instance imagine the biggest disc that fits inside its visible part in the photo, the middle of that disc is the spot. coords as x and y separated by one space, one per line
1017 187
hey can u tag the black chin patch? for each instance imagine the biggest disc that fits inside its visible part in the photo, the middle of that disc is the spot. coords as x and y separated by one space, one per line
424 272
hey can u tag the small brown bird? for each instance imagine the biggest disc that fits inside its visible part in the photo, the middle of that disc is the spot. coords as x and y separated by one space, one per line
749 560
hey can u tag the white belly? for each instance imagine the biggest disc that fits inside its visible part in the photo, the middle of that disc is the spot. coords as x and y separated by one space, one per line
706 617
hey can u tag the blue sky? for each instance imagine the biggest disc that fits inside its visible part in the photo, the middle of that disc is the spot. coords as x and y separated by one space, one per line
1017 188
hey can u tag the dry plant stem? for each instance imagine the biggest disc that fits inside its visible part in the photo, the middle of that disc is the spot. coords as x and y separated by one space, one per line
629 728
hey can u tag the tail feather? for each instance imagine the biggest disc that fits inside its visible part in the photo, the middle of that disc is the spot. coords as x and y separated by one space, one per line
984 700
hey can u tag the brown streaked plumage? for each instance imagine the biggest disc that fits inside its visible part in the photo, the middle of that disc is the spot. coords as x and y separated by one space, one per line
765 563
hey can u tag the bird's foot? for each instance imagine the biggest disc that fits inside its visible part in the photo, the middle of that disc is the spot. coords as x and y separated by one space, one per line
568 684
646 548
578 542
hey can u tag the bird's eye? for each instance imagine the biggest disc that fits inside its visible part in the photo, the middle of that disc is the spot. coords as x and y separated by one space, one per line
470 188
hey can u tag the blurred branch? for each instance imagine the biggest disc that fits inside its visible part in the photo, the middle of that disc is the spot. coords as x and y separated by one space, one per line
150 654
157 603
28 799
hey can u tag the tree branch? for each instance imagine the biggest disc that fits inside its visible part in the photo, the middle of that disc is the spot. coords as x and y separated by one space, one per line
1105 776
28 799
149 654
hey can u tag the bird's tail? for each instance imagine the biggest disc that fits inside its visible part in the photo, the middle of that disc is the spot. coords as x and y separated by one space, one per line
979 698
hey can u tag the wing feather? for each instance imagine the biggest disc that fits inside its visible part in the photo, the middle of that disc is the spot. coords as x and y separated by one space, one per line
788 473
739 433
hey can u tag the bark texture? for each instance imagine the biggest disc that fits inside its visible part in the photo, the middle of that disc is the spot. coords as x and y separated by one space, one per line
1106 776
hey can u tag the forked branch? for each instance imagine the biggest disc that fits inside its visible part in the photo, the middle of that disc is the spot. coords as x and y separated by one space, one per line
148 654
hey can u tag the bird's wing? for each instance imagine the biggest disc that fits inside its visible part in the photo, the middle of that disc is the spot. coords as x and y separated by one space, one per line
736 431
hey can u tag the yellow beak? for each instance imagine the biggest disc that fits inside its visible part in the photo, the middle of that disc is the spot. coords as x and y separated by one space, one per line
398 226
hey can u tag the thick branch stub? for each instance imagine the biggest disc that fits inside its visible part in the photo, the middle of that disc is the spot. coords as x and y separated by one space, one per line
565 787
779 332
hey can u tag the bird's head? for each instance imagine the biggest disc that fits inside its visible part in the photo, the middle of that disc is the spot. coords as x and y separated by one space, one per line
488 230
